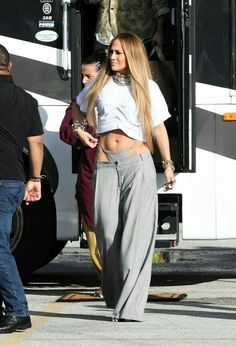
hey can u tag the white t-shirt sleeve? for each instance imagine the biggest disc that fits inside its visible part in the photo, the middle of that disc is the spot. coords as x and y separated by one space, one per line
158 104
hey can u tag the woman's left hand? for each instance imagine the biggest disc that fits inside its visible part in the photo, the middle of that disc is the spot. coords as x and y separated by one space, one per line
170 179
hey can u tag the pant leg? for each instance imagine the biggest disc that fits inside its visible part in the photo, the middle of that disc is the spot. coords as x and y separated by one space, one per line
93 249
11 288
139 213
108 230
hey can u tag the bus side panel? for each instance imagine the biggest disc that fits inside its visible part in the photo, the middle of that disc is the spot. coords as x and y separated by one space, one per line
208 201
34 40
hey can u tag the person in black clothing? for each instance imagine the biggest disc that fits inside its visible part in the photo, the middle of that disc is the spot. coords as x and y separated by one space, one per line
20 125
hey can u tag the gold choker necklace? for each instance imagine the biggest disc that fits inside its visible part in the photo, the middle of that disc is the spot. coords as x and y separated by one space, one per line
121 79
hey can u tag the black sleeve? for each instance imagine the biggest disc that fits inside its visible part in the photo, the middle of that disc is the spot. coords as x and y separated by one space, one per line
36 127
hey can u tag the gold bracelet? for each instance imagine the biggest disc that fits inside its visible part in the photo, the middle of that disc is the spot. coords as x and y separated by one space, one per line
168 164
79 125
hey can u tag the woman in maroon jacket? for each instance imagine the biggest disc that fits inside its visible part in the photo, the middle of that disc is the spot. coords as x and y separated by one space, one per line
84 187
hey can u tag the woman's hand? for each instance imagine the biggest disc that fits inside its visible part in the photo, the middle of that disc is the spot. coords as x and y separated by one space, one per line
164 147
170 179
86 138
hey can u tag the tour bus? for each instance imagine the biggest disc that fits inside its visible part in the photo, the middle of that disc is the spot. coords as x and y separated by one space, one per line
48 39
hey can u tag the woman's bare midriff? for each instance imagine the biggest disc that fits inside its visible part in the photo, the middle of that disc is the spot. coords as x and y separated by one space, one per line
117 140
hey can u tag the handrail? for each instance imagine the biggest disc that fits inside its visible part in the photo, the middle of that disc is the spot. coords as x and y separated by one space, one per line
65 40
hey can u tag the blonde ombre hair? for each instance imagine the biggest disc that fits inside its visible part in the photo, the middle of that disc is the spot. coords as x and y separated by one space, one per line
138 66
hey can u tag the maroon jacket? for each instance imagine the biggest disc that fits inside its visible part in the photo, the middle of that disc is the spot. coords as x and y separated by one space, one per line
84 185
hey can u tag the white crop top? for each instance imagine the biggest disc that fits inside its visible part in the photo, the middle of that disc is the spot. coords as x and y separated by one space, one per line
116 109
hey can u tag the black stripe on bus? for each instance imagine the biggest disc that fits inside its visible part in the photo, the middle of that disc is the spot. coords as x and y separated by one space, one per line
214 134
40 78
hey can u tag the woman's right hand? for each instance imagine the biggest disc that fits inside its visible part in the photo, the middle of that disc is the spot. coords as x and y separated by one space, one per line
86 138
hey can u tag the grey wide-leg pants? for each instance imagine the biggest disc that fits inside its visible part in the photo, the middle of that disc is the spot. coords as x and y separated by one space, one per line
126 214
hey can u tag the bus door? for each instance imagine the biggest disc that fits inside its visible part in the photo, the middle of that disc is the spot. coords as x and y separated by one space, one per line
176 83
177 86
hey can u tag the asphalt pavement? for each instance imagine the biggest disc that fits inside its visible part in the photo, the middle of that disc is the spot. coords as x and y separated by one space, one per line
205 272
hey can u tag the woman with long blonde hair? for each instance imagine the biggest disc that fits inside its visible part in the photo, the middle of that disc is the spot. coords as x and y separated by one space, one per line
128 110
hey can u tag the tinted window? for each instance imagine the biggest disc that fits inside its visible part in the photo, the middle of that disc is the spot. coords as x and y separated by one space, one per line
213 42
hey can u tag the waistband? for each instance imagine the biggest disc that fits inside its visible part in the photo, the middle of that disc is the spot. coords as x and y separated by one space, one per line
118 159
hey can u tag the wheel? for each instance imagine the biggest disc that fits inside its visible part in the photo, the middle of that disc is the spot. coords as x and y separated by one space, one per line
54 251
